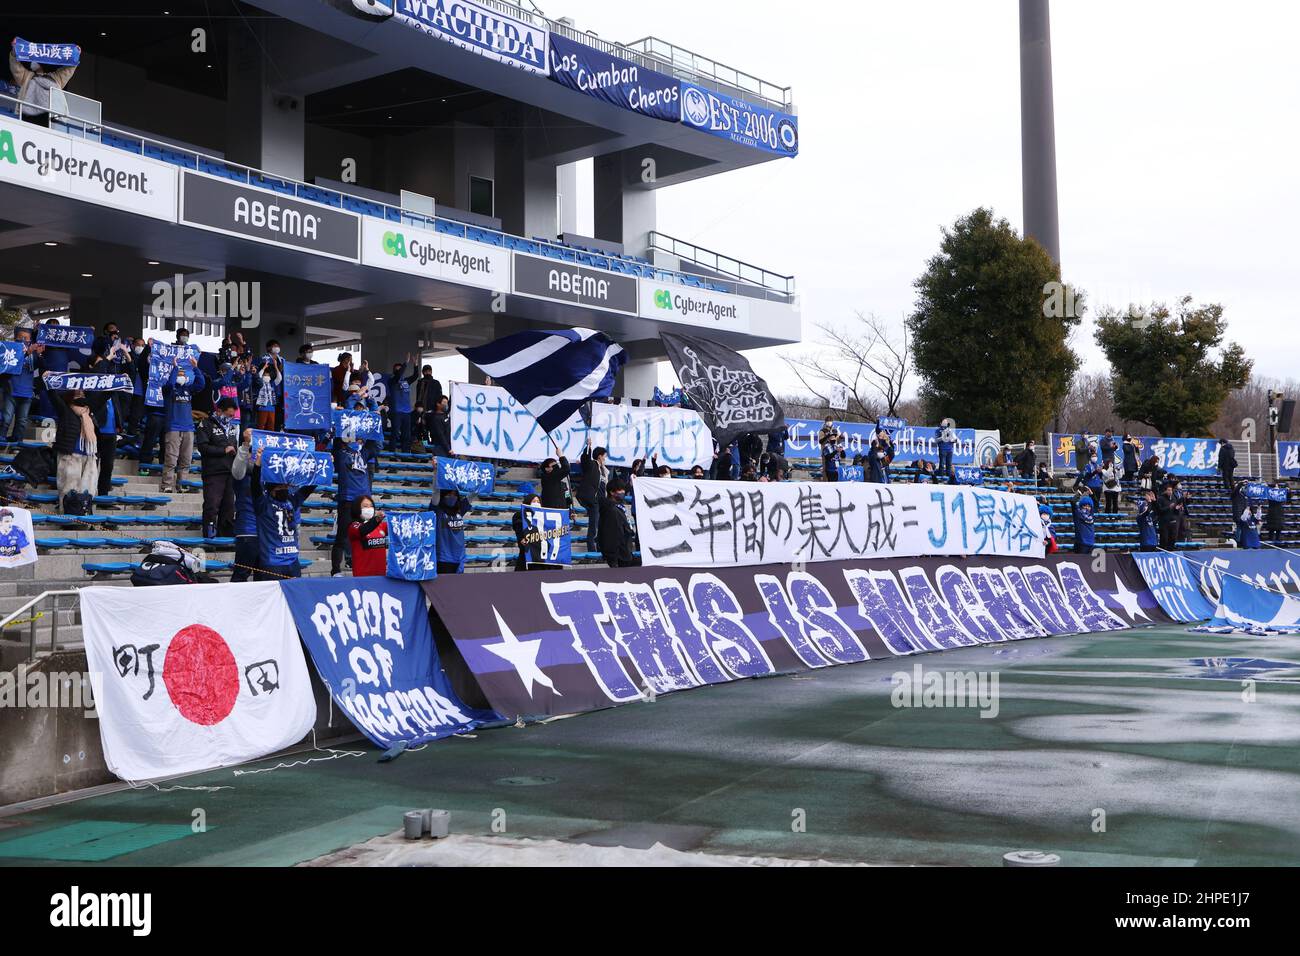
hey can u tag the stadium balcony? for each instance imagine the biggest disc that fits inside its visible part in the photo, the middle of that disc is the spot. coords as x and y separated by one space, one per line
710 271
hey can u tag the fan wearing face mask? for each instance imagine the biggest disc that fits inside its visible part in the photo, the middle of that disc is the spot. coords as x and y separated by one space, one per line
178 415
451 507
352 462
368 536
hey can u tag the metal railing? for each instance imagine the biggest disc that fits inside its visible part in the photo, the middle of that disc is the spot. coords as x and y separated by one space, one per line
260 179
31 606
662 56
724 265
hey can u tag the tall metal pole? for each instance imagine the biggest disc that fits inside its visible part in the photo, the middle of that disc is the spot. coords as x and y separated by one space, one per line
1038 128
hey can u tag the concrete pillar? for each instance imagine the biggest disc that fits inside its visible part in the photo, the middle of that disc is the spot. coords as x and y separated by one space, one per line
265 129
1038 128
624 204
525 189
639 378
126 307
567 176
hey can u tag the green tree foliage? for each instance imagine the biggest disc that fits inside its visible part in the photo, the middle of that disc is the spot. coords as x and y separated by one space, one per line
990 331
1167 369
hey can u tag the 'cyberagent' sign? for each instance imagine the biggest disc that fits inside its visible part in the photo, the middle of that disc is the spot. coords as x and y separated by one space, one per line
712 523
563 642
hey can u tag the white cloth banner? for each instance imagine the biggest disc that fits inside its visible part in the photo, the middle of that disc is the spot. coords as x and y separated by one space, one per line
487 423
717 523
193 677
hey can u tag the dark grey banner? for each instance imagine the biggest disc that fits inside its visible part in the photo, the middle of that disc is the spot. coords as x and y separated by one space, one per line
577 285
240 210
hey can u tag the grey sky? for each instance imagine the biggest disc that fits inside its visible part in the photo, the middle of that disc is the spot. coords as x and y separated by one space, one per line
1177 142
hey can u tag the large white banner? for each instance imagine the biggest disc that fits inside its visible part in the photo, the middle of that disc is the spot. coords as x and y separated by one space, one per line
83 169
716 523
487 423
192 677
424 252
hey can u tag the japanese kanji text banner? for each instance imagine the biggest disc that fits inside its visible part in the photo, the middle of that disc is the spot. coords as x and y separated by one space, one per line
719 523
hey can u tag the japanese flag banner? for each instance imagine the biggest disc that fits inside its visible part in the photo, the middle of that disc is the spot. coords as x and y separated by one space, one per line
189 678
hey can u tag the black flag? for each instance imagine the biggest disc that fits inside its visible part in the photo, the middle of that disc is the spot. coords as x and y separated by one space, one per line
723 388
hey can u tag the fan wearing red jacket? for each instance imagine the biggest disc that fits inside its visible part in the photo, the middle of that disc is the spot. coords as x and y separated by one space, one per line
369 540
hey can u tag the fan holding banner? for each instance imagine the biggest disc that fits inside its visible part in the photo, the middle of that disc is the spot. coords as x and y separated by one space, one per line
723 388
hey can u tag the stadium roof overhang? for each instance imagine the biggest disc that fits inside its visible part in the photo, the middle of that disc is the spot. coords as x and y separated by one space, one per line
100 249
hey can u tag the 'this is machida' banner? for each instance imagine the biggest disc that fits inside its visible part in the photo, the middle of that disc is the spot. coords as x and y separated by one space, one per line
563 642
188 679
486 422
371 643
712 523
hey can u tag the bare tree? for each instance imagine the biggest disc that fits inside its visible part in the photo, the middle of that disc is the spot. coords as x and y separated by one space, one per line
866 359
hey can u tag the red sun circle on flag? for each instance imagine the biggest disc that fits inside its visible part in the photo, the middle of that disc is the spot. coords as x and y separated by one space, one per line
201 676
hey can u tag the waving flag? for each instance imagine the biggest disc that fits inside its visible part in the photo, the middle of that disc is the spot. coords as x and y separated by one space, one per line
723 388
191 678
553 374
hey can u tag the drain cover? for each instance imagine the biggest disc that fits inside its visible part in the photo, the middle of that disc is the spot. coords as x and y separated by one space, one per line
1030 858
526 781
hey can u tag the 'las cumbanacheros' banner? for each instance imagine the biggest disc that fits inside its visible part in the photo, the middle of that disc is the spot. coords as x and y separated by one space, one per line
712 523
562 643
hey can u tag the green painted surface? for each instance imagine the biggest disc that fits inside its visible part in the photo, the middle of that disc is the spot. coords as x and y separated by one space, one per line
90 841
1120 727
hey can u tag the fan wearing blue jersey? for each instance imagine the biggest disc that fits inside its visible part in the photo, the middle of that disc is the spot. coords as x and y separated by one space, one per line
279 514
451 508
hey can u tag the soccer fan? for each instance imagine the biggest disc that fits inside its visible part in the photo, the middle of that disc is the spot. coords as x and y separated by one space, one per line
1146 521
178 398
591 491
945 437
352 460
527 551
616 534
76 443
17 390
279 513
1082 511
554 475
36 82
1227 462
1049 532
368 536
247 554
399 404
217 439
451 508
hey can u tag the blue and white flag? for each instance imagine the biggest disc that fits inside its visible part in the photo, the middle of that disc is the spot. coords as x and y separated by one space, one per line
891 424
553 374
65 336
279 441
69 381
614 79
968 474
548 530
741 122
1246 607
11 357
413 545
358 425
307 396
852 473
372 646
1288 459
1257 491
467 477
47 54
297 468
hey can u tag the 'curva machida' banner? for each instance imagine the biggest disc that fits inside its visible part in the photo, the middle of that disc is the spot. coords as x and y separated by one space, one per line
486 422
712 523
560 643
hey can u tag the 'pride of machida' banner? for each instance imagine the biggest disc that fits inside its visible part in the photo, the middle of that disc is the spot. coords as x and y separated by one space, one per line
560 643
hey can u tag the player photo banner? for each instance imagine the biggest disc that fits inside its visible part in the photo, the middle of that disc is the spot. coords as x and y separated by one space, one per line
712 523
561 642
370 641
17 539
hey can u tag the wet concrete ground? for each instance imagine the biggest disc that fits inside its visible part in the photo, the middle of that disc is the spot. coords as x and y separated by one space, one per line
1146 747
